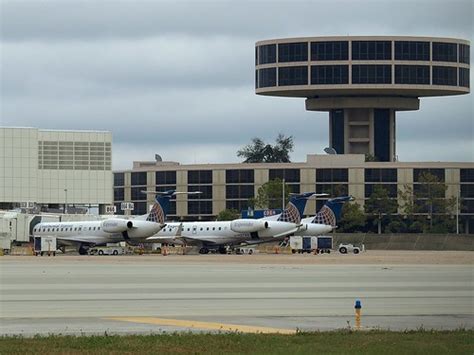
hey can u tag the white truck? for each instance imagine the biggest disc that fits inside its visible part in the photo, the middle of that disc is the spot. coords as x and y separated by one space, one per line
350 248
45 245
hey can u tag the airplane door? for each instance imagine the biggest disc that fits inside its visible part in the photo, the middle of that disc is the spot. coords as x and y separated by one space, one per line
195 229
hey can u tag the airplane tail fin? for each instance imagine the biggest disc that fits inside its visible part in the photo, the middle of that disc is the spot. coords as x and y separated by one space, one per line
295 208
330 213
161 207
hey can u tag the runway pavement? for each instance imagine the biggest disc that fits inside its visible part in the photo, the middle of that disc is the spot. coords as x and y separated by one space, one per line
93 295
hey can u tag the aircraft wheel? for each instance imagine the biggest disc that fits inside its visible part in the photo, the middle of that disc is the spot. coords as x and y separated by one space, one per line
203 250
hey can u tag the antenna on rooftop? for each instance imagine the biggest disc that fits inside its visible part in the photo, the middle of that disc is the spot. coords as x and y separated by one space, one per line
330 151
158 158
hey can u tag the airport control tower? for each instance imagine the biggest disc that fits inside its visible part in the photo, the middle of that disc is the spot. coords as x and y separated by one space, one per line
362 81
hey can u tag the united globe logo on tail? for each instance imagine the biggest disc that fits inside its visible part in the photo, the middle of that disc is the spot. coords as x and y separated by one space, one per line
156 214
290 214
325 216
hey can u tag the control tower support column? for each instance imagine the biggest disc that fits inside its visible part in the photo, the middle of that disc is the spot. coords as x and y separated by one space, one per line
363 125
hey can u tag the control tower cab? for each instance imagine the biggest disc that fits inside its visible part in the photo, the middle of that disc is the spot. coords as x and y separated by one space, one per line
362 81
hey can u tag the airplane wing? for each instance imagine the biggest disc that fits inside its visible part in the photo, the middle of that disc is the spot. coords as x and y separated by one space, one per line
288 233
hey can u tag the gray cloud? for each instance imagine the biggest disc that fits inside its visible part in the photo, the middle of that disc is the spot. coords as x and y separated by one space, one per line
178 77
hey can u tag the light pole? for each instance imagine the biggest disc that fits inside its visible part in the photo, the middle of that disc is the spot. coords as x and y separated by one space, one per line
457 208
65 201
283 195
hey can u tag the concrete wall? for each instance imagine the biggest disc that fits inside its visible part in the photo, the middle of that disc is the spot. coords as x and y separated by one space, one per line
408 241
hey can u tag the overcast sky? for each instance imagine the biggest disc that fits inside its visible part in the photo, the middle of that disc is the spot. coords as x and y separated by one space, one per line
177 78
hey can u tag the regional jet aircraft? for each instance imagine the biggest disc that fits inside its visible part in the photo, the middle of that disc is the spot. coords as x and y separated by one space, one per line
85 234
218 235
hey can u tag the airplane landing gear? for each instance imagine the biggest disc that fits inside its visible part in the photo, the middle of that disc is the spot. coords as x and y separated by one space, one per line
203 250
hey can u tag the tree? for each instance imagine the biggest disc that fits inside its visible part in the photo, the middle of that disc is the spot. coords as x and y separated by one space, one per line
352 218
269 195
425 206
259 152
227 215
379 205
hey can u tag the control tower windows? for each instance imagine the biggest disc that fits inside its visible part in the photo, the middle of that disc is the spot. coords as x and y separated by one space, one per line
267 54
371 50
445 76
293 52
464 53
293 76
412 50
412 74
266 77
329 74
464 77
371 74
335 50
445 52
382 134
337 130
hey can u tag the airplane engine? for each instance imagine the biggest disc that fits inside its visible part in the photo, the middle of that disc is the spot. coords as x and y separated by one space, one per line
248 225
116 225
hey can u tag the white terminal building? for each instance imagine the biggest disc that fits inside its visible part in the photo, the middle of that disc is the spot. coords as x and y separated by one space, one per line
46 170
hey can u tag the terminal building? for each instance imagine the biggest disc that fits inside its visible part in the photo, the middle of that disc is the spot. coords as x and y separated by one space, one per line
47 170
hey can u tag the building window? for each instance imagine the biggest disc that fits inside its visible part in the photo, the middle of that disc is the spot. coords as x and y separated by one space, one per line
382 134
139 208
380 175
334 50
137 194
391 189
329 74
464 77
445 76
412 74
165 177
467 175
293 76
172 205
267 54
206 192
289 175
266 77
467 206
337 130
239 191
333 190
371 50
239 176
331 175
119 194
445 52
371 74
238 205
467 191
439 173
200 177
199 207
119 179
293 52
464 54
139 178
412 50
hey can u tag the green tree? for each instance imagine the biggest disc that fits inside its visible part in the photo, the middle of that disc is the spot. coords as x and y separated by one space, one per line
380 205
259 152
227 215
270 194
352 218
425 207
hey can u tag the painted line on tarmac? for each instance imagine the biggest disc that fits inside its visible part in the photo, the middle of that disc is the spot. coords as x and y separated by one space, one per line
203 325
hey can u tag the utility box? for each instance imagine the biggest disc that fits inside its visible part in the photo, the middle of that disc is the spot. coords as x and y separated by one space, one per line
45 245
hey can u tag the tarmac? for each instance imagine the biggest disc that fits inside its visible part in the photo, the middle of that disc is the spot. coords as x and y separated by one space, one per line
245 293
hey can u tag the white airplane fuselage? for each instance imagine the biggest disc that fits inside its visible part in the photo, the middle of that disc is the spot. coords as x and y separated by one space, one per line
111 230
313 229
222 233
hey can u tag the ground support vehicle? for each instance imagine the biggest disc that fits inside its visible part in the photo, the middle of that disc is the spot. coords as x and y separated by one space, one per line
45 245
350 248
309 244
117 250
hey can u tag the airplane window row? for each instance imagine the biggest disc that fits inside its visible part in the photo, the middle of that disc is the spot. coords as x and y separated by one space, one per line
202 228
63 229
